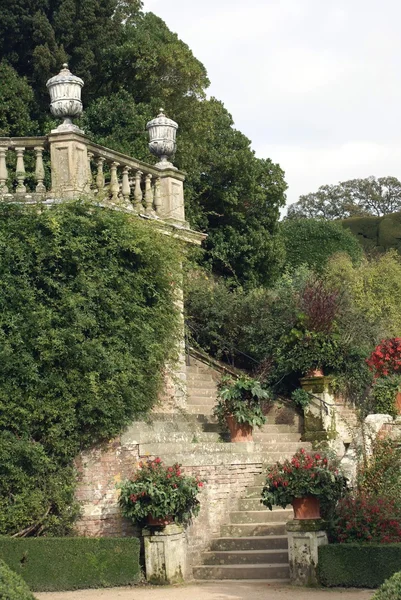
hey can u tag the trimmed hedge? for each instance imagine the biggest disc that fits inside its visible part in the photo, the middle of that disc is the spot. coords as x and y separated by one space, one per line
358 565
380 233
12 586
52 564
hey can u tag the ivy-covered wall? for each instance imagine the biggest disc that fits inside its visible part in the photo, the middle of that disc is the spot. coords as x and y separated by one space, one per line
88 320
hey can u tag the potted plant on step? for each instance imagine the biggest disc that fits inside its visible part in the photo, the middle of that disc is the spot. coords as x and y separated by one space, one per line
239 406
303 481
159 495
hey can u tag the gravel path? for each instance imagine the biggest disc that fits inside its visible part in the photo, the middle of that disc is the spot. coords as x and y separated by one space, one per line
211 591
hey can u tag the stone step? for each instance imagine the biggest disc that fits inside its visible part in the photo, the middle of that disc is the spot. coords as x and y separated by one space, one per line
272 451
201 401
253 529
269 542
197 377
253 491
273 427
251 503
245 557
202 392
199 409
193 459
260 571
263 515
278 437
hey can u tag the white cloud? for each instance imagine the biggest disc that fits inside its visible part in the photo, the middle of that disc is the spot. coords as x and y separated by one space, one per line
313 83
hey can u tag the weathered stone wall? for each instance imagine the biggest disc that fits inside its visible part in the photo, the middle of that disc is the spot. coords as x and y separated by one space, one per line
100 469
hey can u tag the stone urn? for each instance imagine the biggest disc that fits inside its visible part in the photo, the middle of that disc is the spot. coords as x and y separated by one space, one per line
306 508
65 98
162 139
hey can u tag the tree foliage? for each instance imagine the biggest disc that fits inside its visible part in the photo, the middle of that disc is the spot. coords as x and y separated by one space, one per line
132 64
87 314
313 242
353 198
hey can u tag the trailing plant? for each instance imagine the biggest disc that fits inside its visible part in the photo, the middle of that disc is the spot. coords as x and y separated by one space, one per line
88 320
306 474
384 392
160 491
241 398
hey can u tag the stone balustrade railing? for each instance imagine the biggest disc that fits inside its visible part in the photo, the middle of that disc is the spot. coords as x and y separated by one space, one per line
129 182
68 165
15 153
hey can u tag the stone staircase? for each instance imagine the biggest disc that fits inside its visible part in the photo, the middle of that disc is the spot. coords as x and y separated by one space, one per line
253 544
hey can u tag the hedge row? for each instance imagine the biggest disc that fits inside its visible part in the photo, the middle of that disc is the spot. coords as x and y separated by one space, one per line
382 233
358 565
51 564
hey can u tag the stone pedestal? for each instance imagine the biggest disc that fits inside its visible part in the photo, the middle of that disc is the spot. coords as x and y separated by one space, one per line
69 164
165 554
172 196
304 539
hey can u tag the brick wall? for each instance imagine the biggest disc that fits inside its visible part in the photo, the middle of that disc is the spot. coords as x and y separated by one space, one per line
100 469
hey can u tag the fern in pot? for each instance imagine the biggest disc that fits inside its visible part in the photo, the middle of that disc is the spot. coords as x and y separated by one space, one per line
239 406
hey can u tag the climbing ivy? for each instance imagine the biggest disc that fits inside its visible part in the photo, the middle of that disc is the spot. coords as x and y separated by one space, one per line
87 320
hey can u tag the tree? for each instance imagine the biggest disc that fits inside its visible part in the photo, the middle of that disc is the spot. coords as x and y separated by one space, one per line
313 242
353 198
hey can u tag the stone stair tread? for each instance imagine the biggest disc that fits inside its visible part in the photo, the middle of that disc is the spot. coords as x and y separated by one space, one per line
269 581
240 571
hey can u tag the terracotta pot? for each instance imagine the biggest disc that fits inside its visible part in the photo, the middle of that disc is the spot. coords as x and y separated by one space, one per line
239 432
318 372
398 402
306 508
159 521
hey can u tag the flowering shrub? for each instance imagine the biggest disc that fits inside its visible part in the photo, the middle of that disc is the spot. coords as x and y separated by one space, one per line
161 492
386 358
364 518
304 475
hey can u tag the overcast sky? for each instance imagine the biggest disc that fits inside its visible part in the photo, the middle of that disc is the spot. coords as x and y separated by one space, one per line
315 84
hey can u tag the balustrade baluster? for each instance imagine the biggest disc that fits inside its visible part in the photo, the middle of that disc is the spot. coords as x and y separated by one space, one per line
158 198
126 187
39 170
20 171
114 185
148 195
90 176
138 206
3 171
100 175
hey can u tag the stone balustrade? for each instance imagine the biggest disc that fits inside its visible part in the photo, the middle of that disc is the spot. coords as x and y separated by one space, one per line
74 167
15 181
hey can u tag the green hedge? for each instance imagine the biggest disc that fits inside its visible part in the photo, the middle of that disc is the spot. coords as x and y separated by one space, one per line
380 233
51 564
358 565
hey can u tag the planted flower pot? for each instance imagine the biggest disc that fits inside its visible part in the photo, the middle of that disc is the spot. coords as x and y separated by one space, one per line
306 508
318 372
239 432
159 521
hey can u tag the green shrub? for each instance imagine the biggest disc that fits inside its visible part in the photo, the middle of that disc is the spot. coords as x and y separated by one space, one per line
12 586
390 590
51 564
87 322
314 241
358 565
376 233
384 393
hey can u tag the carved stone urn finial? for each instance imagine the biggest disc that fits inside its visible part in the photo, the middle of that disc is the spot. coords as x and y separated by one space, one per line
162 139
65 95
